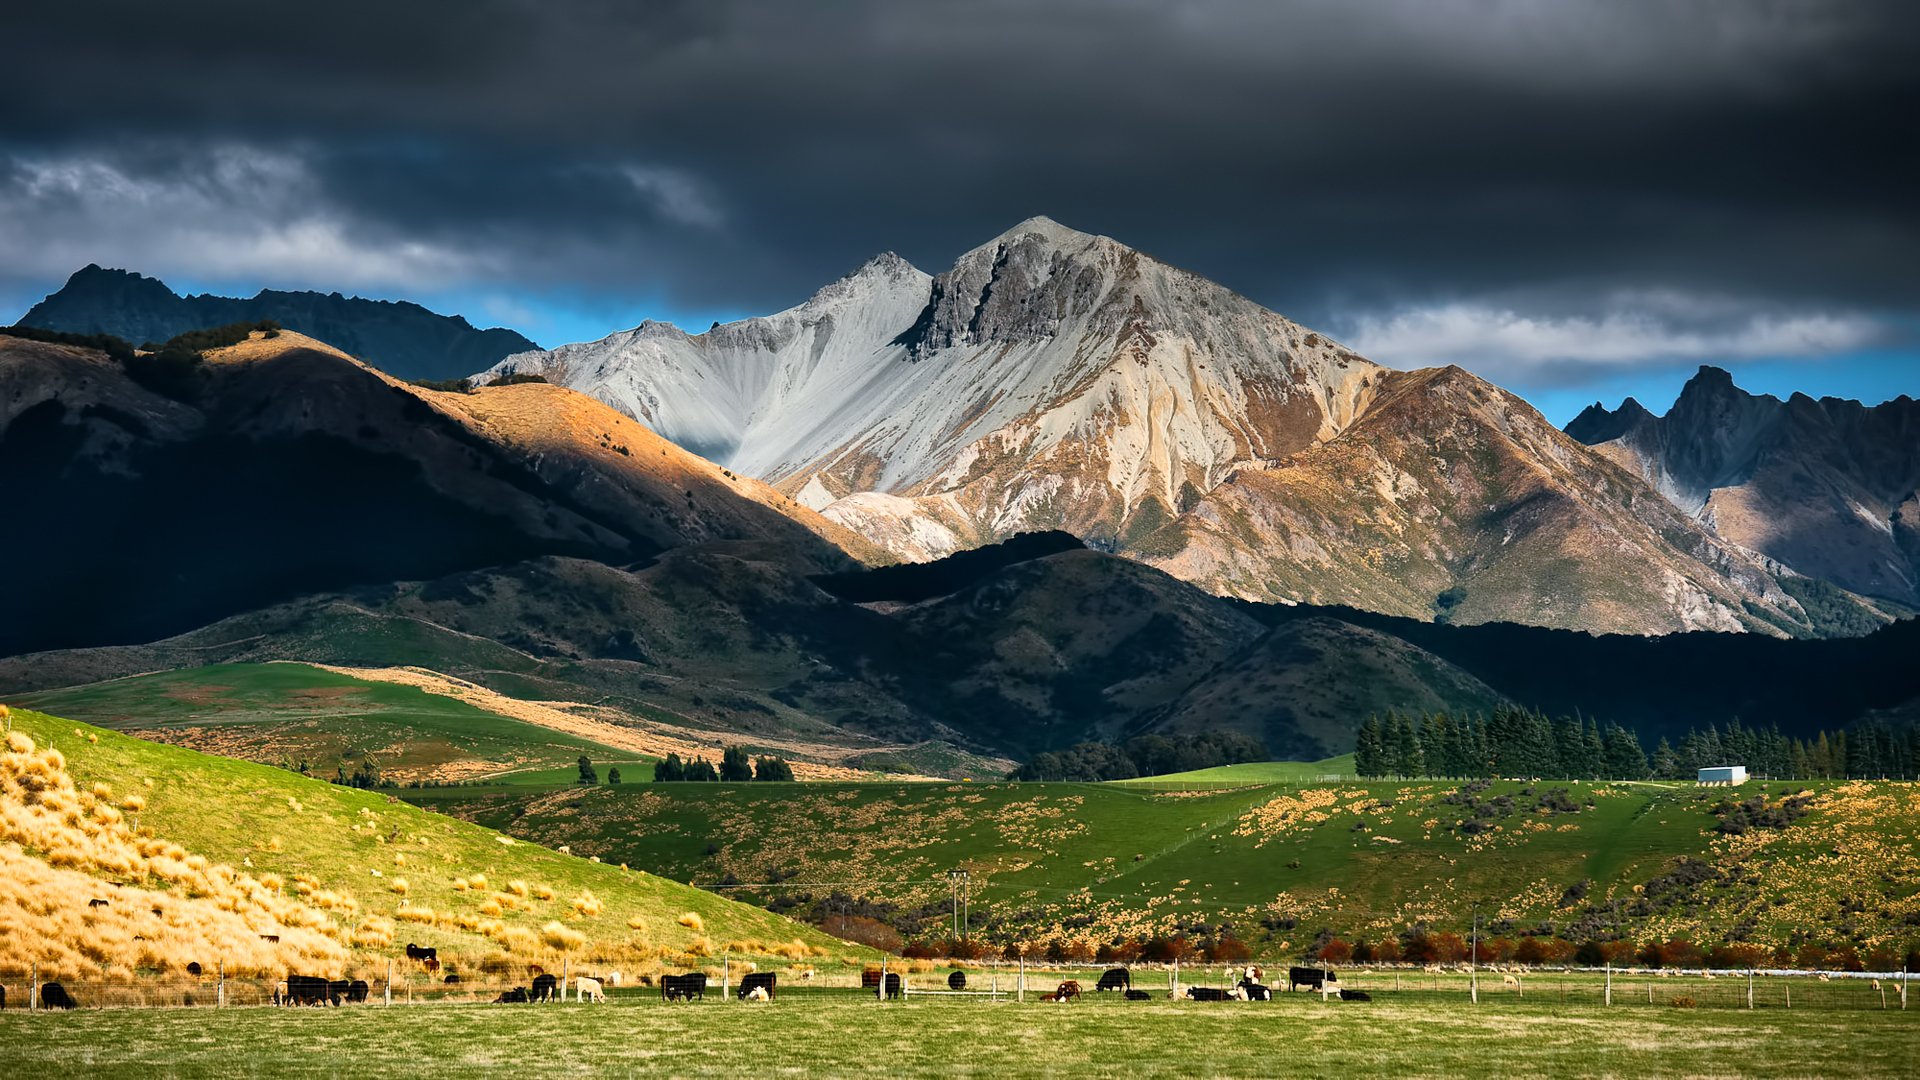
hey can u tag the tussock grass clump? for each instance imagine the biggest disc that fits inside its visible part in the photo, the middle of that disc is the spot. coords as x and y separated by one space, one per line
692 921
55 911
559 936
587 905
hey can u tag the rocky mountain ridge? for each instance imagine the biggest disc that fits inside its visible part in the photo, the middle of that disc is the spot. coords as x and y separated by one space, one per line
1828 487
1060 380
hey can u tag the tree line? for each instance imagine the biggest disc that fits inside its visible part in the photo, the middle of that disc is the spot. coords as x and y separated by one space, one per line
1525 742
1142 755
735 767
1510 742
1866 751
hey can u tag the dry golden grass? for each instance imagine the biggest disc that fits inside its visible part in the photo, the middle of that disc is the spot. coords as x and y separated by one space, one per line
159 908
655 740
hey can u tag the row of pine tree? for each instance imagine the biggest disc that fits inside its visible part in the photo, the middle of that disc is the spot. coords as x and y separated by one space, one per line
1525 742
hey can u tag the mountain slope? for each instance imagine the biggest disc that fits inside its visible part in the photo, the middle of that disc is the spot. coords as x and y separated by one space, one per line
399 337
280 467
1831 488
227 851
1451 497
1050 379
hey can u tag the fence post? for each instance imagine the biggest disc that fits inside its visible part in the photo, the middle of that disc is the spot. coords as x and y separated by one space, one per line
1789 995
882 988
563 982
1609 981
726 968
1022 985
33 993
1749 988
389 982
220 984
994 988
1173 987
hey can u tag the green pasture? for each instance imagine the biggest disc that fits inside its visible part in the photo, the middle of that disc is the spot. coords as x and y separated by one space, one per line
1276 862
294 712
843 1035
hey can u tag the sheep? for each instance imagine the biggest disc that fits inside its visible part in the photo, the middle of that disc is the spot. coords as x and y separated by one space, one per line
1823 977
613 979
1508 980
807 974
1876 984
758 993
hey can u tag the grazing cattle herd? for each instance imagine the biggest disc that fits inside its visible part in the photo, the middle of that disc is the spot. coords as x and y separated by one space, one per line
762 986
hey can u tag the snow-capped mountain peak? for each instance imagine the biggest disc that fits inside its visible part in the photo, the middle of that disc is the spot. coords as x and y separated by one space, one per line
1049 377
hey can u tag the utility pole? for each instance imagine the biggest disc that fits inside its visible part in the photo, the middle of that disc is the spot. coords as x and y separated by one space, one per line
959 885
1473 959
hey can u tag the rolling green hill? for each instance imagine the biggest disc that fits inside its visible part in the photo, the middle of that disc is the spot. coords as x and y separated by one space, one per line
1278 863
285 712
341 873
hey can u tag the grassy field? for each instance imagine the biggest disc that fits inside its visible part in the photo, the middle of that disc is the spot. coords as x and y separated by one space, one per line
845 1035
286 712
364 858
1277 863
1256 772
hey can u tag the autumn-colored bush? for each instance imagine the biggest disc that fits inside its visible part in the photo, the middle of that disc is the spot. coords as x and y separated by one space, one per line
1230 949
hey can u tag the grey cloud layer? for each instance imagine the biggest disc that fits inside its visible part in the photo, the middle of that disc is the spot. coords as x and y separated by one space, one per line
1325 158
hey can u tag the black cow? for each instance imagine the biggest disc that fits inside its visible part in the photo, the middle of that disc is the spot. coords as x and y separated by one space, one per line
422 952
55 996
1355 995
1312 978
451 980
1115 979
545 987
3 997
1139 995
762 979
357 990
684 987
194 968
957 981
515 996
870 980
309 990
1208 993
1256 991
271 939
338 990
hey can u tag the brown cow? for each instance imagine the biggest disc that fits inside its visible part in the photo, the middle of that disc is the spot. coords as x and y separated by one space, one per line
1068 991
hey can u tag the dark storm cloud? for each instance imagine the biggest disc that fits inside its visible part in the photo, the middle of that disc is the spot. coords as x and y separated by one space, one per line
1506 165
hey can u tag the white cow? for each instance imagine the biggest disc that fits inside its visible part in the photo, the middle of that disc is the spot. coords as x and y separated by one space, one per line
585 989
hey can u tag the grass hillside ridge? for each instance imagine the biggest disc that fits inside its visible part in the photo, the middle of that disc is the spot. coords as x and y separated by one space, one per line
229 850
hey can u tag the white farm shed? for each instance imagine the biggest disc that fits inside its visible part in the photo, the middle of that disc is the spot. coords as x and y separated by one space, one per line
1724 774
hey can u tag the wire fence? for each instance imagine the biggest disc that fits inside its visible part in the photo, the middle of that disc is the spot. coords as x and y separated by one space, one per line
995 981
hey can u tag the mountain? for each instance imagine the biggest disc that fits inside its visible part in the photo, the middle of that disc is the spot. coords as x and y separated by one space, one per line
1830 488
1451 498
1052 379
401 338
280 467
